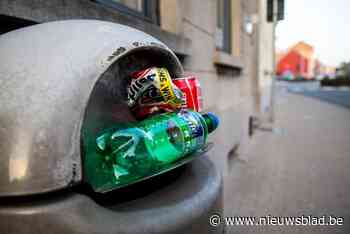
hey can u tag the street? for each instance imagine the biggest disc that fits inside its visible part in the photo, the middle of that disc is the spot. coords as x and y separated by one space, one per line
299 168
339 96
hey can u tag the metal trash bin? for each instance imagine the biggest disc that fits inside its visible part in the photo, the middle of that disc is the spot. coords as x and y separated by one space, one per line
58 79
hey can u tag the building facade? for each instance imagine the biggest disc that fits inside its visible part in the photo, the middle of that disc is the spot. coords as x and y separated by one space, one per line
297 62
227 44
321 70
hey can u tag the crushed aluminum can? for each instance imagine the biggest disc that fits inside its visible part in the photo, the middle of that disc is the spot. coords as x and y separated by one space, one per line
152 91
191 89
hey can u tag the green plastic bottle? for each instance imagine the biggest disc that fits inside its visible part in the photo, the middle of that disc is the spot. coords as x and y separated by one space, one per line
149 147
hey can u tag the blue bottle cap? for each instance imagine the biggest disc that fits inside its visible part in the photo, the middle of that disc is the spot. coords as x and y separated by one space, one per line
212 121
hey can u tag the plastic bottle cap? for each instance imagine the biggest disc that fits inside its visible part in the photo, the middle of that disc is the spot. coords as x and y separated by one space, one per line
212 121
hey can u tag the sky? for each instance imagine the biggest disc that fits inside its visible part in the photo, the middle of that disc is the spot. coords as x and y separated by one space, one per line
325 24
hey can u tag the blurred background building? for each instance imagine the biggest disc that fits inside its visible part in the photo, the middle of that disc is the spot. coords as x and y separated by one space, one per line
299 62
322 70
227 44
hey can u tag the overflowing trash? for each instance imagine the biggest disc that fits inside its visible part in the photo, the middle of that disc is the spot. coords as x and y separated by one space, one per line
170 130
154 144
152 91
192 92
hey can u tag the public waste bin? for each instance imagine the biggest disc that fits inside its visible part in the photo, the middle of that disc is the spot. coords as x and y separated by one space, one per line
60 81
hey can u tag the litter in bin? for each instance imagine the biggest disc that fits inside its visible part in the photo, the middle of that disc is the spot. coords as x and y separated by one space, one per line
135 151
191 89
152 91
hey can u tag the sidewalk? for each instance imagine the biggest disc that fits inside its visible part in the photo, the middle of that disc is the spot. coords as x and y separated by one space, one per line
300 168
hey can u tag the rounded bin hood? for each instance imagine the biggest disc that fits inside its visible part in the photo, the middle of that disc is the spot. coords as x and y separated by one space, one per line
47 74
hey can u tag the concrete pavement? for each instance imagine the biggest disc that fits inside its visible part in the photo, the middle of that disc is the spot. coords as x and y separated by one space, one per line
301 167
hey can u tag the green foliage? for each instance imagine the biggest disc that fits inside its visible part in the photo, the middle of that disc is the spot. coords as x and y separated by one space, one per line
344 70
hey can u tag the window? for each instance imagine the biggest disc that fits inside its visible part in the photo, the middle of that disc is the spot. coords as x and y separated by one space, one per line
143 9
136 5
223 25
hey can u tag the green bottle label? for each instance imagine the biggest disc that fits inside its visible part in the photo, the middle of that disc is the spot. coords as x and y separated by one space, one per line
194 130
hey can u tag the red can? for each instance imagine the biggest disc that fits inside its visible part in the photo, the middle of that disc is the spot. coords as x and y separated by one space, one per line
191 88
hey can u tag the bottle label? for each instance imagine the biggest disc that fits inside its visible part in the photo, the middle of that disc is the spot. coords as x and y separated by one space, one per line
194 132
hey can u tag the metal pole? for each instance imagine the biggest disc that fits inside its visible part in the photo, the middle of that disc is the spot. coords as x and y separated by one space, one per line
273 73
256 66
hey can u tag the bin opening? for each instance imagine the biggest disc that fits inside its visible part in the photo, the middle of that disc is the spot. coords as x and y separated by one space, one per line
107 107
